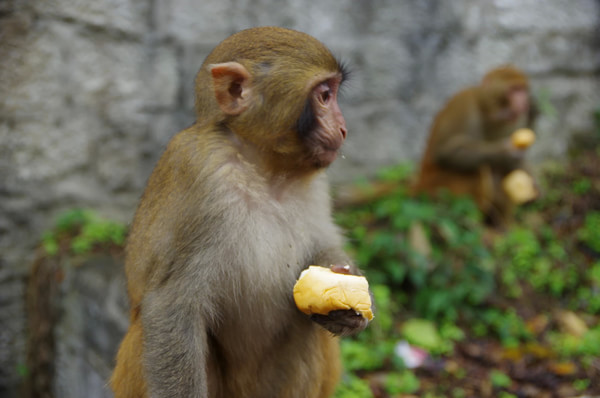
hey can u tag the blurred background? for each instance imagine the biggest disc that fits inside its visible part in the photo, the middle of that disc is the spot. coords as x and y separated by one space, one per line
91 92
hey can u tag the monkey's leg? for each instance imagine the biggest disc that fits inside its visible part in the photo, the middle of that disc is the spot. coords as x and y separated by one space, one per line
330 350
127 380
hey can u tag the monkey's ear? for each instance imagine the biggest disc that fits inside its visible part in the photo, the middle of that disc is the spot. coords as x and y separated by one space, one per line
231 82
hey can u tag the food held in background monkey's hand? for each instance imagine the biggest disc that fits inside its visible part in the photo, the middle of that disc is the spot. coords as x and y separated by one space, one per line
320 291
523 138
519 186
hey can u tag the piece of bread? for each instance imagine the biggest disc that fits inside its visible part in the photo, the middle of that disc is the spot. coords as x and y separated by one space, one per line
523 138
519 186
320 291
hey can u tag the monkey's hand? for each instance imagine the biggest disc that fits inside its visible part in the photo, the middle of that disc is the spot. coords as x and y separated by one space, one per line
507 157
335 299
342 322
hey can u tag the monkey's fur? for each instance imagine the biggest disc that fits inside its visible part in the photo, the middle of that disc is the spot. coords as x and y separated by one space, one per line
236 208
469 150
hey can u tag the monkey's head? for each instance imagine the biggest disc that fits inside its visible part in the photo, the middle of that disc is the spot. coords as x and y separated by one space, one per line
504 94
276 89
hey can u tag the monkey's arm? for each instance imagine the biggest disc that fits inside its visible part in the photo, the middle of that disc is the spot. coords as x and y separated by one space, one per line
464 138
464 154
175 345
463 146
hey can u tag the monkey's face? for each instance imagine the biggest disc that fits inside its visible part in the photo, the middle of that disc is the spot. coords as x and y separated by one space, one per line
505 104
321 126
513 104
277 93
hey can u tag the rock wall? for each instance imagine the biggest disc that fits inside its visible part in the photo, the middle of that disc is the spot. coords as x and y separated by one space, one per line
91 91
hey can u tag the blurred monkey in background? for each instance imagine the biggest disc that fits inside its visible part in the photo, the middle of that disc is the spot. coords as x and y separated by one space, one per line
471 148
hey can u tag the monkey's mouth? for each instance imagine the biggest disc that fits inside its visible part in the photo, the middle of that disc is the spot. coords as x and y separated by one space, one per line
327 155
324 148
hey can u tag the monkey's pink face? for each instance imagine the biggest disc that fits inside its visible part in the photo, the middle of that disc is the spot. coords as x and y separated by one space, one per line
514 104
327 130
519 100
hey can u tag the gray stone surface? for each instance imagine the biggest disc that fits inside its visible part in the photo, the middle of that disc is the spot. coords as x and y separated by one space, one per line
93 319
91 91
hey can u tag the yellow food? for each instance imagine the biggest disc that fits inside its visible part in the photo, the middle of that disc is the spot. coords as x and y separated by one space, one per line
523 138
519 186
320 291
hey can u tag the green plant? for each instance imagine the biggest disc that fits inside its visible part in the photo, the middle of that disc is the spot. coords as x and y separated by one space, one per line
352 386
500 379
404 382
567 345
423 333
590 232
581 385
22 370
358 355
535 258
581 186
506 325
431 250
543 102
83 229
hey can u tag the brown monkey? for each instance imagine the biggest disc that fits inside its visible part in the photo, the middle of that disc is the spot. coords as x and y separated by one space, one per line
235 209
469 150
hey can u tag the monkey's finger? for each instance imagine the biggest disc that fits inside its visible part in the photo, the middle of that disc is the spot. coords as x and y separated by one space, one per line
340 268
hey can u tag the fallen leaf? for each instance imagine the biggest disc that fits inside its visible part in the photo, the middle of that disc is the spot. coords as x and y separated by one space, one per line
569 322
537 324
418 239
562 368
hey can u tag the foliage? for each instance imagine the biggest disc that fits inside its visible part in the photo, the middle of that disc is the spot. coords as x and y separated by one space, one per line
568 345
441 282
352 386
401 382
590 233
403 242
499 379
82 230
360 356
581 384
506 325
422 333
535 259
543 102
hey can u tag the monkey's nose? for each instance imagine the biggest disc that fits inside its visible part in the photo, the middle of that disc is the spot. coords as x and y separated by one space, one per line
344 132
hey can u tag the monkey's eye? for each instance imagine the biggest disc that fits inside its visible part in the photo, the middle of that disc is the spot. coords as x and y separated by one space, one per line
325 95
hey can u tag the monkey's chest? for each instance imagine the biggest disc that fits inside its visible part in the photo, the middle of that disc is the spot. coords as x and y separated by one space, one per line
257 298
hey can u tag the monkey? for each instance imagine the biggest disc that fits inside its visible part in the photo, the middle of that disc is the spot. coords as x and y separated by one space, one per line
469 149
235 208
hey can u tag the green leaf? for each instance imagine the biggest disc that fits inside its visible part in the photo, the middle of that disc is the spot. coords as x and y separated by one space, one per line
359 356
500 379
352 386
401 382
422 333
50 244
